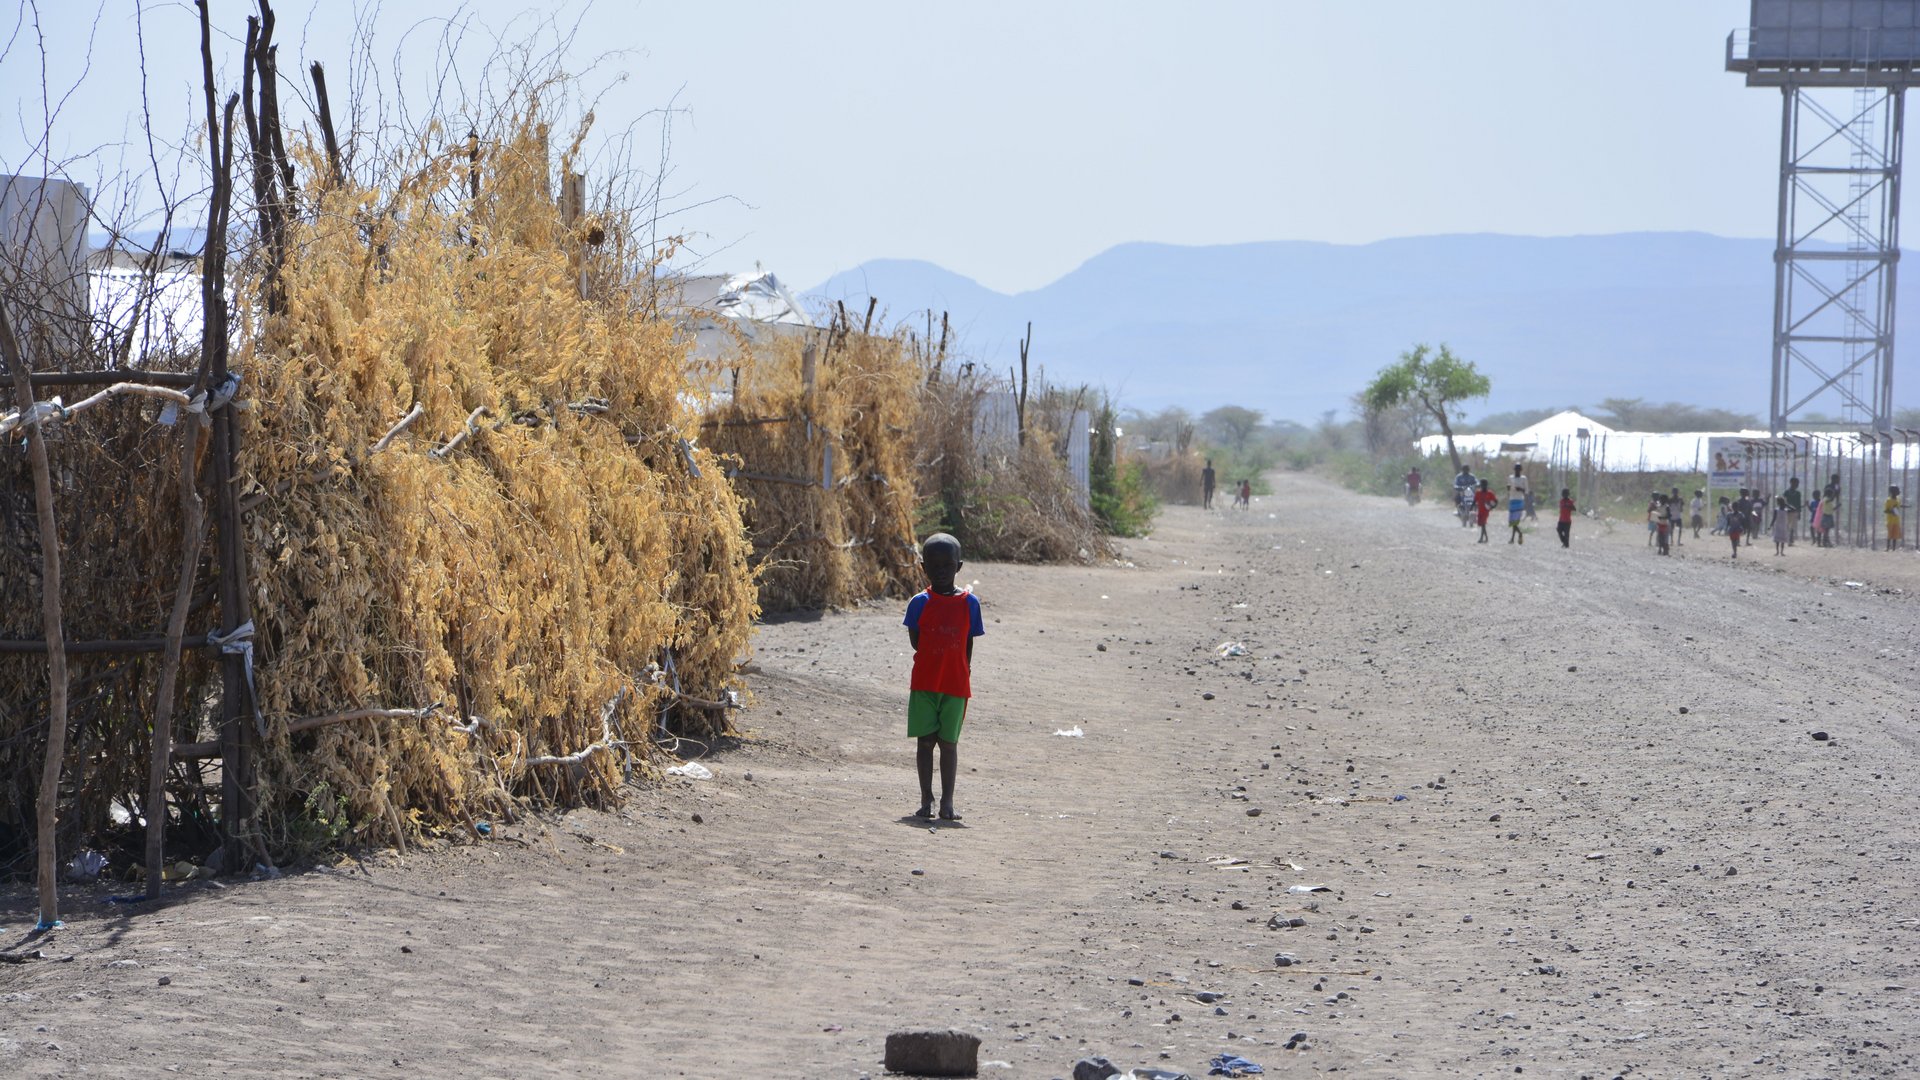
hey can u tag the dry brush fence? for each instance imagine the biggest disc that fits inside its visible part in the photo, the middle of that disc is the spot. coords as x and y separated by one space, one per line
461 548
819 435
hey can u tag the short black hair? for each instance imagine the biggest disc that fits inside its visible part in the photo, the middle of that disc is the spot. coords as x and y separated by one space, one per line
940 542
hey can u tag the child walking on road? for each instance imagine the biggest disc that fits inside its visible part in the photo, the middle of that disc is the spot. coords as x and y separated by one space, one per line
1781 525
1565 527
941 622
1483 502
1516 509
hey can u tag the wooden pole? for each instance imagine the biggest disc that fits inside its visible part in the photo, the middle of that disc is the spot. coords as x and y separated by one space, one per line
332 143
176 379
203 750
236 771
193 531
75 648
49 802
1020 396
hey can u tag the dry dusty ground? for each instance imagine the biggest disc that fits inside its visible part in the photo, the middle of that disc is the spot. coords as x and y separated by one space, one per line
1534 859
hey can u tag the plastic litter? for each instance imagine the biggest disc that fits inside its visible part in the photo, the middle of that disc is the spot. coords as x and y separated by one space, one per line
692 770
1099 1068
1233 1065
1309 888
484 828
1230 649
1073 732
85 866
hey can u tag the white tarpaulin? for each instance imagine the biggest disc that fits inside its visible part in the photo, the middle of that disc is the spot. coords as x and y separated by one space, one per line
752 306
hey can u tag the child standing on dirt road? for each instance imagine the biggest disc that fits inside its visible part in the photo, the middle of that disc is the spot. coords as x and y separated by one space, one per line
1892 510
941 622
1483 502
1516 509
1565 527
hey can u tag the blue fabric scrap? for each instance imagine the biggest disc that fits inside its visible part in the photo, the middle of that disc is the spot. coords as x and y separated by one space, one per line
1231 1065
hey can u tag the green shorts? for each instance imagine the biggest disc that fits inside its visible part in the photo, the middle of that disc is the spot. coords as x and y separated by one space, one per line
929 713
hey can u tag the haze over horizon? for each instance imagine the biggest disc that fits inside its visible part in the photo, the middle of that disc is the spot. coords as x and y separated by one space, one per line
1011 143
1020 147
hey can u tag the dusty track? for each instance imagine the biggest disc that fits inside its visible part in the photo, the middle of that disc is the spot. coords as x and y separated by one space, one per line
1580 880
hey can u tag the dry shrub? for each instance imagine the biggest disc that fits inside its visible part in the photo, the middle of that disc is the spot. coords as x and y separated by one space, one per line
567 550
1174 478
529 575
816 547
1004 499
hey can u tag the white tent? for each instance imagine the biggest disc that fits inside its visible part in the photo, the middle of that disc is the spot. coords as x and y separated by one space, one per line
1568 424
1533 441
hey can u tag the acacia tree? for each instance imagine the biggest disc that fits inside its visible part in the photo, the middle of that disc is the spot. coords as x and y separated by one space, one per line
1233 425
1433 381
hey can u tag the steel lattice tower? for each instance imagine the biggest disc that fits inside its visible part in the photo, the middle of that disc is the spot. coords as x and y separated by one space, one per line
1842 68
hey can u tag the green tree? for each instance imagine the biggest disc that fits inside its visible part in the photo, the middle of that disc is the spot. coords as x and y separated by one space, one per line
1117 490
1436 382
1232 425
1636 414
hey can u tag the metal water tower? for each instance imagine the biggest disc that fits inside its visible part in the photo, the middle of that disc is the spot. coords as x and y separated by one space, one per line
1842 67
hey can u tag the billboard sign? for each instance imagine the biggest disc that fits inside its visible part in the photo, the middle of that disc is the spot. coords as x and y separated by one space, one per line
1728 462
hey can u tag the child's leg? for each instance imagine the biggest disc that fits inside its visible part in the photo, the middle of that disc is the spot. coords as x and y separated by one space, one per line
923 757
953 714
949 770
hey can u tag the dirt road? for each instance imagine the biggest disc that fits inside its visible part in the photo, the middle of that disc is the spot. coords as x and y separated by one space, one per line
1566 806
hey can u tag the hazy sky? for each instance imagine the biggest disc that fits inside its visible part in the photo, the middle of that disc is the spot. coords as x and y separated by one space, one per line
1012 141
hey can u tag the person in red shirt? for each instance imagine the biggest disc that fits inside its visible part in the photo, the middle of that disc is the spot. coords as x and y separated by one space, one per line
941 622
1565 528
1484 500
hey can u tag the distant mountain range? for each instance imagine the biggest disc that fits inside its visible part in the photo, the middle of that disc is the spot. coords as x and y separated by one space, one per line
1295 328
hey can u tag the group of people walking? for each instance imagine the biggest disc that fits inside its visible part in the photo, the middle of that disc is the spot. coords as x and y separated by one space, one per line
1669 516
1242 492
1477 499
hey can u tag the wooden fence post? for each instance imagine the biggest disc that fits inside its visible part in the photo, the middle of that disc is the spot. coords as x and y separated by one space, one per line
47 862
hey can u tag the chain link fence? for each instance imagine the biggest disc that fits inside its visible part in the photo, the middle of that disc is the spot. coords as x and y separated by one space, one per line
1851 471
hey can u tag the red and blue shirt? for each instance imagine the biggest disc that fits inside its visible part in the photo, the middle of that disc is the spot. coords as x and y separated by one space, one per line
945 624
